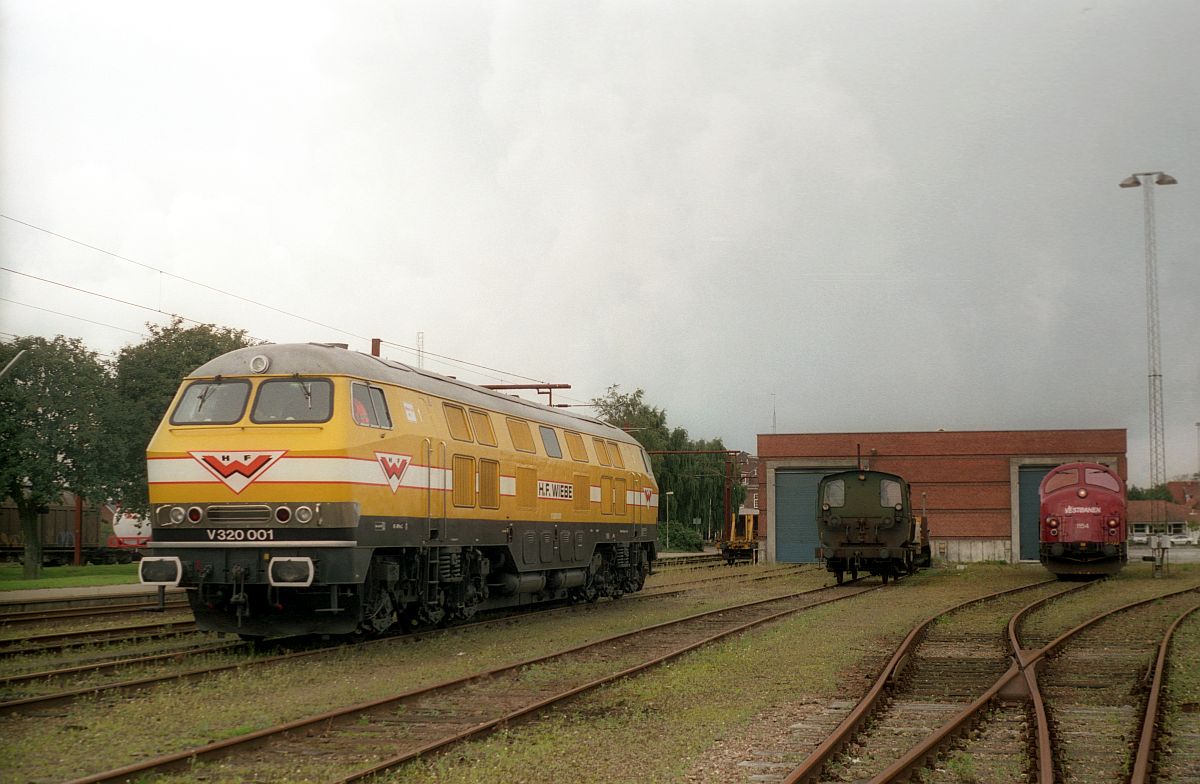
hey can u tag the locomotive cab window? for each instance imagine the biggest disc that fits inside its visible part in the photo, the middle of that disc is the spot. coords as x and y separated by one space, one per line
213 402
890 493
550 441
1098 478
293 400
835 494
1062 479
370 406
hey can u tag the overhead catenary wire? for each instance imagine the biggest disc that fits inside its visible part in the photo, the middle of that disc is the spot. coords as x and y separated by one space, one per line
182 278
102 296
443 359
69 315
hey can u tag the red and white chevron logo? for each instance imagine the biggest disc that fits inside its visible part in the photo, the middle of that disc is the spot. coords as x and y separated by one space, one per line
394 466
237 469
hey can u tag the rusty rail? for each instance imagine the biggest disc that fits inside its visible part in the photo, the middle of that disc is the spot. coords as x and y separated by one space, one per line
256 738
809 771
1025 666
1147 742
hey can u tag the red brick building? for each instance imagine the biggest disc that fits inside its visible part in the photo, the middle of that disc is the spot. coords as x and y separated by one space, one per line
978 488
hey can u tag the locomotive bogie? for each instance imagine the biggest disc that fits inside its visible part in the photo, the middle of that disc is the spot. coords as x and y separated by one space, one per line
355 494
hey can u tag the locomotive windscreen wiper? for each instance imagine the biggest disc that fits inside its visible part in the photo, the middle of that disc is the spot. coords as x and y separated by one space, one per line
207 391
307 387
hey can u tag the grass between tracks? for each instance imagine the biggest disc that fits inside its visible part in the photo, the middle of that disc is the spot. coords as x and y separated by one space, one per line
694 719
690 720
12 577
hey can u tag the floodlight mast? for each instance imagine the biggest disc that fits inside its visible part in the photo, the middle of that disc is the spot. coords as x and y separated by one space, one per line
1158 450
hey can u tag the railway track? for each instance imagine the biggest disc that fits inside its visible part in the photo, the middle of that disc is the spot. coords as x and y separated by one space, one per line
1169 742
685 562
419 722
1094 690
140 605
942 666
1055 714
21 692
61 641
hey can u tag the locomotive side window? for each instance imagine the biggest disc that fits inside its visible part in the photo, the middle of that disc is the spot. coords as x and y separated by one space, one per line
835 493
293 400
1061 480
614 452
369 406
890 493
212 403
482 424
456 418
550 441
601 452
575 446
379 402
1098 478
518 430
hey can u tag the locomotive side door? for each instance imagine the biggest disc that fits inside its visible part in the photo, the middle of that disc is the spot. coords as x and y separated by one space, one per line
435 489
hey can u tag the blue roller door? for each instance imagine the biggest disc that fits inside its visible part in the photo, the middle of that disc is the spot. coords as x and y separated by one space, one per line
1029 510
796 515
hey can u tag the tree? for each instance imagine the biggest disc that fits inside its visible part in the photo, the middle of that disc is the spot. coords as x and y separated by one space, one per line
697 480
147 377
1159 493
53 434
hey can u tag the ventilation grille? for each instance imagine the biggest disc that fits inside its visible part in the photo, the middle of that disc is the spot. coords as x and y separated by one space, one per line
240 513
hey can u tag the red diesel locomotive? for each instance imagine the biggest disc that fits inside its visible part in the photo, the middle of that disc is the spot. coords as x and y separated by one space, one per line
1083 526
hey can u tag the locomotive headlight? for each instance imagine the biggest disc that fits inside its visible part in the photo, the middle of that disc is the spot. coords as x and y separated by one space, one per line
1052 521
1082 492
834 521
899 507
160 571
195 515
177 514
283 514
290 572
825 507
1112 523
304 515
260 364
1054 532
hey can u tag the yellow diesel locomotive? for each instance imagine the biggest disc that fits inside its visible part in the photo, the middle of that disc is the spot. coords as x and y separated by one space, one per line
306 488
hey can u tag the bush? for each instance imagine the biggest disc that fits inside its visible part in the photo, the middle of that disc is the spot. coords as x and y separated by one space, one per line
683 539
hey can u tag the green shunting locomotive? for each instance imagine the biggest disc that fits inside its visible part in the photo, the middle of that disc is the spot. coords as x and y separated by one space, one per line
865 522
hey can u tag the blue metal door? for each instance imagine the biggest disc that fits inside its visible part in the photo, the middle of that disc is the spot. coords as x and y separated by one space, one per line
796 515
1029 512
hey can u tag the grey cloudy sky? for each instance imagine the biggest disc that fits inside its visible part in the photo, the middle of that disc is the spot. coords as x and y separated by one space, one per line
897 215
